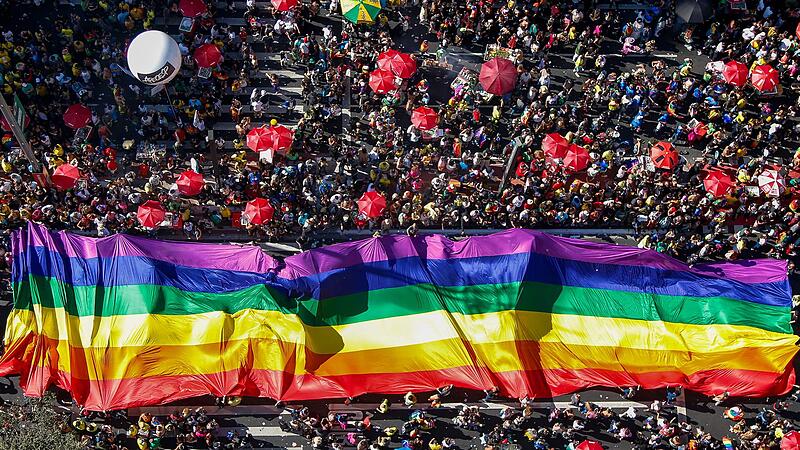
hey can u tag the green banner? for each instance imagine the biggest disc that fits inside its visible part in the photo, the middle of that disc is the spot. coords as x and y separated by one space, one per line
19 112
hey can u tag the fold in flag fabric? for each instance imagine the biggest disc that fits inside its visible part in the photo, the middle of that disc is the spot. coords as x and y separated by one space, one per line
126 321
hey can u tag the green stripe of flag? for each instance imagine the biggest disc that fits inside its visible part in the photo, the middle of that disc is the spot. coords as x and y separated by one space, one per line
401 301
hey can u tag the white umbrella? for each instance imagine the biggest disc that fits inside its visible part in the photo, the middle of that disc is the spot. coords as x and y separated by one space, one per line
771 183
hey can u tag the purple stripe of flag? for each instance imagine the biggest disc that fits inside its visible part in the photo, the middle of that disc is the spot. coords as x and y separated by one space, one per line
348 254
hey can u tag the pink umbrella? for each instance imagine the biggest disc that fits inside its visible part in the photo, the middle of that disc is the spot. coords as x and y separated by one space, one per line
555 145
664 155
381 81
735 73
65 177
77 116
424 118
791 440
589 445
718 183
577 158
192 8
150 214
371 204
284 5
764 78
259 211
403 65
190 183
385 59
207 55
498 76
259 139
282 138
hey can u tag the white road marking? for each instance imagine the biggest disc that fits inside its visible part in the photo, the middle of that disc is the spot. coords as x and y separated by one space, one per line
346 117
680 406
486 406
257 431
242 410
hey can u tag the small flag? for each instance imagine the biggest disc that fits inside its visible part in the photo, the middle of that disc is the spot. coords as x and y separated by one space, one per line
727 443
198 123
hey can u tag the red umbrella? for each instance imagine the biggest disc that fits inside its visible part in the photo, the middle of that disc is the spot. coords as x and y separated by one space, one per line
555 145
371 204
190 183
192 8
577 158
664 155
403 65
385 59
281 138
498 76
589 445
790 440
77 116
151 214
424 118
65 176
259 211
284 5
6 127
381 81
735 73
718 183
207 55
765 78
259 139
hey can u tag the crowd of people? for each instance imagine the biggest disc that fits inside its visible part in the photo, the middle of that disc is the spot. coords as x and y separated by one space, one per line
432 425
451 179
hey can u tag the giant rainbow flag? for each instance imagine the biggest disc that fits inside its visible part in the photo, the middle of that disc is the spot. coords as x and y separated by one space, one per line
126 321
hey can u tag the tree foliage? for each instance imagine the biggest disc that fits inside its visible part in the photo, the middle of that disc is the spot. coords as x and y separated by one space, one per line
35 425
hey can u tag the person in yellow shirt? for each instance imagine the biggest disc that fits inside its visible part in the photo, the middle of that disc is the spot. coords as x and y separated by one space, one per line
424 46
5 211
67 33
148 21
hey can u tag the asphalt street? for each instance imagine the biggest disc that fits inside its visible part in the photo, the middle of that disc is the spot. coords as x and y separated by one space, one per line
263 420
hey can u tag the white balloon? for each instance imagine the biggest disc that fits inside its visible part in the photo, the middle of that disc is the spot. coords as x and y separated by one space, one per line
154 57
